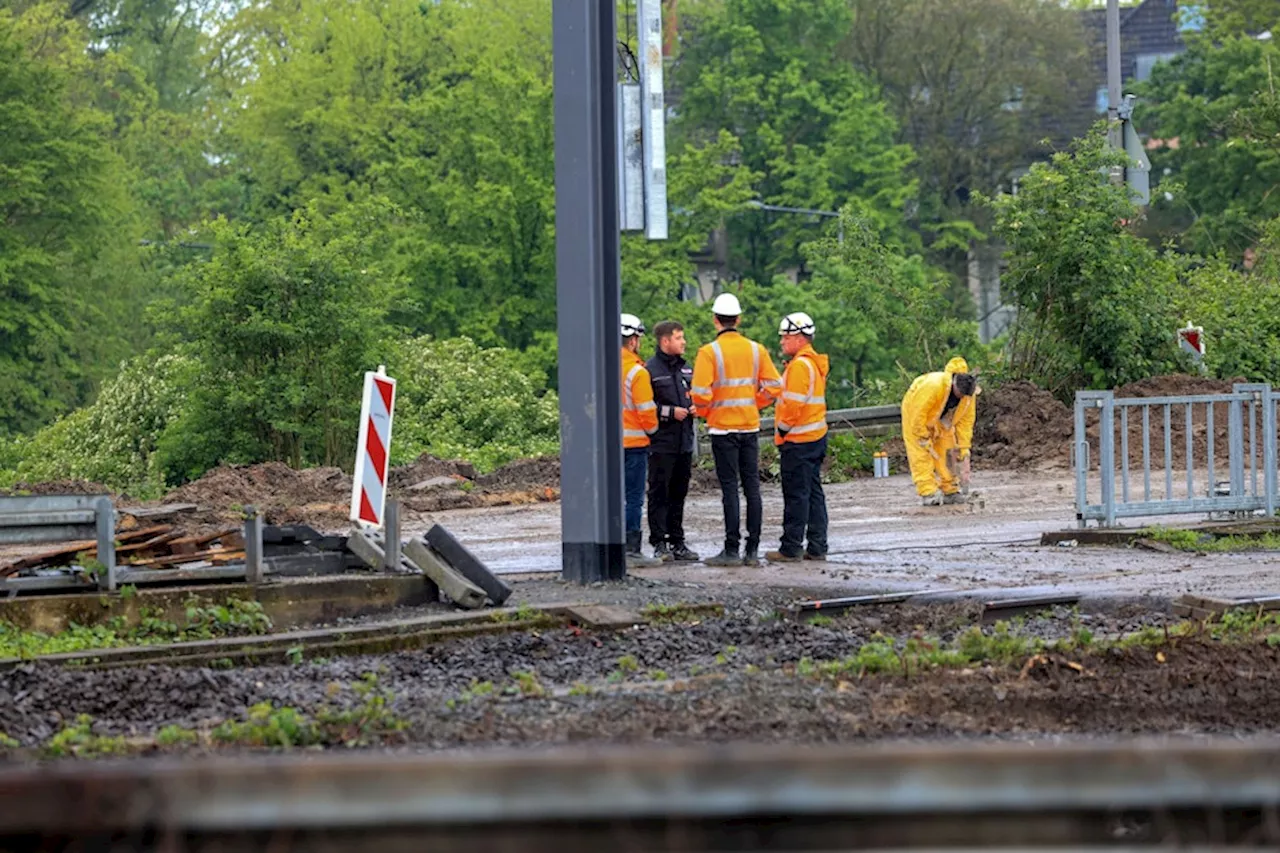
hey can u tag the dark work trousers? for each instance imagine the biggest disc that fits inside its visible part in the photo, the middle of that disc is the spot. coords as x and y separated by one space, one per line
634 459
737 458
668 486
804 505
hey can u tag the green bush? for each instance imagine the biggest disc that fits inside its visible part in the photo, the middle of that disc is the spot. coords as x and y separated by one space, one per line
112 441
456 399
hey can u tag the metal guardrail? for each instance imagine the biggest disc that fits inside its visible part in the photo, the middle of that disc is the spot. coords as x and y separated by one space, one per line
29 520
709 798
1251 485
868 420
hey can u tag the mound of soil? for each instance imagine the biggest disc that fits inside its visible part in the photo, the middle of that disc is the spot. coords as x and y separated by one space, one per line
523 475
1176 385
268 485
1022 426
426 467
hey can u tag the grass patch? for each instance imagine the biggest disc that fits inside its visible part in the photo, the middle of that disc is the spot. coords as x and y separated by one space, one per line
1197 541
680 612
204 620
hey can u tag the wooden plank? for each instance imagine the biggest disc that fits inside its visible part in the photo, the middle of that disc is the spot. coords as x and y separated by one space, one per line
71 549
192 544
178 559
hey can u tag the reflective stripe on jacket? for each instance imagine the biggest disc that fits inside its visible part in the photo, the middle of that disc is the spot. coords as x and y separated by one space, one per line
639 412
922 408
801 415
733 379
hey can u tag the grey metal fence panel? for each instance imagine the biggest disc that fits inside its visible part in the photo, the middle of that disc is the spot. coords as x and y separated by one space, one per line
37 519
1251 454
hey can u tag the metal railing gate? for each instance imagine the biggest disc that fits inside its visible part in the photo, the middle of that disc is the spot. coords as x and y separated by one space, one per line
1190 483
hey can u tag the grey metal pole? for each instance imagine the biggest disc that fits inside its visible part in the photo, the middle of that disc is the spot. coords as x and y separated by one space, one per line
391 537
1113 75
254 570
588 291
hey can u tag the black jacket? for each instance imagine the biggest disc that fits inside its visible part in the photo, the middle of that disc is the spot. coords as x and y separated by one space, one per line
671 376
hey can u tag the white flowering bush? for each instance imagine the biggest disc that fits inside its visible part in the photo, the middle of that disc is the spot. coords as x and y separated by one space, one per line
113 440
455 399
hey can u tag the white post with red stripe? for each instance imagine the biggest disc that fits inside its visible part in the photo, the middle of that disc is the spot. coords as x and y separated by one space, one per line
373 449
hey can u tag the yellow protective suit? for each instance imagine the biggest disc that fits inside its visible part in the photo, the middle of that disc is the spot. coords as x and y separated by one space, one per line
928 436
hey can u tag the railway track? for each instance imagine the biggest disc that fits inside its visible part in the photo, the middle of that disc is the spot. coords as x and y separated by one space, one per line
980 796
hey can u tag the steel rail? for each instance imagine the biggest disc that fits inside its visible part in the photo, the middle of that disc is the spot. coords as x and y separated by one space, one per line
337 792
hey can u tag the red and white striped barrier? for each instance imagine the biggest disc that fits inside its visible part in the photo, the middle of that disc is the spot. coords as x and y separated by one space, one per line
373 450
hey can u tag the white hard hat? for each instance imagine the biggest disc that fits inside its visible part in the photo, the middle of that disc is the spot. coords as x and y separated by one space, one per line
726 305
631 326
798 323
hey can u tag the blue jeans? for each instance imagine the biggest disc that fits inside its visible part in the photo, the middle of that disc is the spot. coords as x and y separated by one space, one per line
636 460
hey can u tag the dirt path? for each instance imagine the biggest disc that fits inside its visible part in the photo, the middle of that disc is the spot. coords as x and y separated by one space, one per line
882 540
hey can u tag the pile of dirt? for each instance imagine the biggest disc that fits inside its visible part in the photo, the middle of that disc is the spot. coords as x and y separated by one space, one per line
269 484
1175 385
426 468
523 475
1022 426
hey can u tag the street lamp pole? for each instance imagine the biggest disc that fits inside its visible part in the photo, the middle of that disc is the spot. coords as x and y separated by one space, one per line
809 211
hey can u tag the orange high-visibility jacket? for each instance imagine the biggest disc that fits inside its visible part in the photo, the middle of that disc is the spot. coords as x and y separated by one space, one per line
639 412
923 404
733 379
801 416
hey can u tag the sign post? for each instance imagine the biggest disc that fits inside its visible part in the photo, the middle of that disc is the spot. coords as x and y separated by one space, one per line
373 449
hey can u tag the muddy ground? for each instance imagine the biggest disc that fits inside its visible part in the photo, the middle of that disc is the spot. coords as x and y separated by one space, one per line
744 676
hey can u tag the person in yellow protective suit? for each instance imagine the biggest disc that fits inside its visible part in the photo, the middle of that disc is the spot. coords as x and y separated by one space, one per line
937 418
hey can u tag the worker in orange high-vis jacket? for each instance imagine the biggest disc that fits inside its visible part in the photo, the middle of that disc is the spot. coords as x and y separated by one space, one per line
800 431
733 379
937 420
639 421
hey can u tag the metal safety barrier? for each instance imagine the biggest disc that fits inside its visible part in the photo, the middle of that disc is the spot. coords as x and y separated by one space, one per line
1152 472
90 519
867 421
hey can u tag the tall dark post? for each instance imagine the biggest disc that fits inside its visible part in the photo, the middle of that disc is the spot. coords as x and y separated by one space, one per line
588 291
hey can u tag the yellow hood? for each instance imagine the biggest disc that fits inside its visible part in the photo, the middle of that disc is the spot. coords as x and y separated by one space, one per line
957 365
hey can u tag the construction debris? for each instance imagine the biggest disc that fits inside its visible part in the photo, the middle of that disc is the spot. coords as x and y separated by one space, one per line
456 555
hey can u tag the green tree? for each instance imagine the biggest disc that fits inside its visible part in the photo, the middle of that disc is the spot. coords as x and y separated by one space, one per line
67 256
445 109
283 320
1210 107
1093 298
816 131
971 85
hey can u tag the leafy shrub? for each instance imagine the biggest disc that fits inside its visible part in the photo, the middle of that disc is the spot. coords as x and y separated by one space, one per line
456 399
113 440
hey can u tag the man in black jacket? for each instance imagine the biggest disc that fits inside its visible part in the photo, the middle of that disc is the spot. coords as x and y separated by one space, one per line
671 447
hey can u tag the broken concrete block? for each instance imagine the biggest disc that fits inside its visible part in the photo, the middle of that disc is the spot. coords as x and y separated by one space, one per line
455 587
470 567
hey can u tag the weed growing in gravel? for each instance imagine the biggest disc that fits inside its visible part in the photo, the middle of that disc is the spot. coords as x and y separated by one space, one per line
658 675
272 726
527 684
172 735
79 741
7 742
579 689
821 622
628 663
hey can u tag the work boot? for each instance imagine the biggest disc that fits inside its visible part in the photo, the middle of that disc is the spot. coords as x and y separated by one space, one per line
781 557
682 554
955 498
635 557
934 499
817 558
725 558
662 551
751 555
